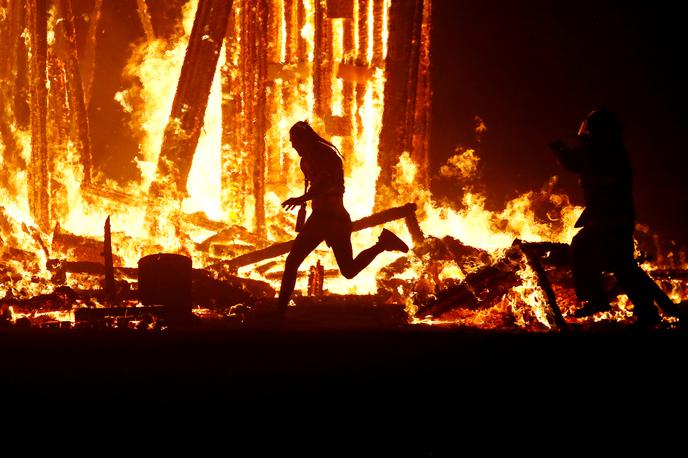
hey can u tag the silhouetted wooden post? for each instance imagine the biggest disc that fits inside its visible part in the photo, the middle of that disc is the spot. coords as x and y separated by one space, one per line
361 59
39 180
254 70
292 57
109 284
191 99
277 94
378 45
420 116
401 71
347 121
322 63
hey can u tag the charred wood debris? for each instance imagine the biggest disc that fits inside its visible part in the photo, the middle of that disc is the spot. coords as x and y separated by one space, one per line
108 296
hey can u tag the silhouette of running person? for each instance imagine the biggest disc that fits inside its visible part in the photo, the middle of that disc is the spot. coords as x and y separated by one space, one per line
605 241
322 167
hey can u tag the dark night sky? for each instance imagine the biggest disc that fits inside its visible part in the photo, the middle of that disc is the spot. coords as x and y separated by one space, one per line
532 70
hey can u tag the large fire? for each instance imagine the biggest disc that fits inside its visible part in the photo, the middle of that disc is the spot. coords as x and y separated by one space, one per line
333 63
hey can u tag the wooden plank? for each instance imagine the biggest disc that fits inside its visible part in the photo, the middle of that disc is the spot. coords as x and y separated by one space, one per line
76 90
322 64
419 119
401 72
543 281
89 58
279 249
191 98
235 183
39 180
109 270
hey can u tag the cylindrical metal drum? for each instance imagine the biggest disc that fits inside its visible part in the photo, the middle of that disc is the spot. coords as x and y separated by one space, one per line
165 279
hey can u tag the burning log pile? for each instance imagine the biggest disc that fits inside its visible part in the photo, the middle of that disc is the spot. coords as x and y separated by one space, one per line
484 279
526 285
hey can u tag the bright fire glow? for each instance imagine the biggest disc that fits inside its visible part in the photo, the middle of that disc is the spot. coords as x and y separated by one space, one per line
352 120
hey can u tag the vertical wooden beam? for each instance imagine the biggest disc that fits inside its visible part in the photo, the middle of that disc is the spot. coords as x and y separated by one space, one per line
420 149
274 18
11 26
340 9
59 127
5 72
19 58
14 65
109 281
234 168
322 65
362 16
11 156
378 44
301 46
401 71
254 71
260 128
361 58
5 21
39 180
291 32
287 87
348 91
191 98
76 89
89 60
273 91
247 72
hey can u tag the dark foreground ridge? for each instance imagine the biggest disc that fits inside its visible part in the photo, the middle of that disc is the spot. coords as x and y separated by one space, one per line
401 390
243 366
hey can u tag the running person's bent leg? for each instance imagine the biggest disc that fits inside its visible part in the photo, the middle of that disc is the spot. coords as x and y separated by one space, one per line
348 266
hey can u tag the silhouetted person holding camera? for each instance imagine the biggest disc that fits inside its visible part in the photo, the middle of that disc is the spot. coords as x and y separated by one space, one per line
322 167
605 241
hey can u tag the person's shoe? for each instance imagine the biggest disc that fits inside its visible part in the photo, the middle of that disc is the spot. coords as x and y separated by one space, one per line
591 308
391 242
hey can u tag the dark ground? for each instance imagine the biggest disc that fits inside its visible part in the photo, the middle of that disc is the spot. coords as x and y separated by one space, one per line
402 387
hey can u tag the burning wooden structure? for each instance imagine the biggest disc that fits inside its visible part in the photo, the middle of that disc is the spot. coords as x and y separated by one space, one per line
217 84
322 60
